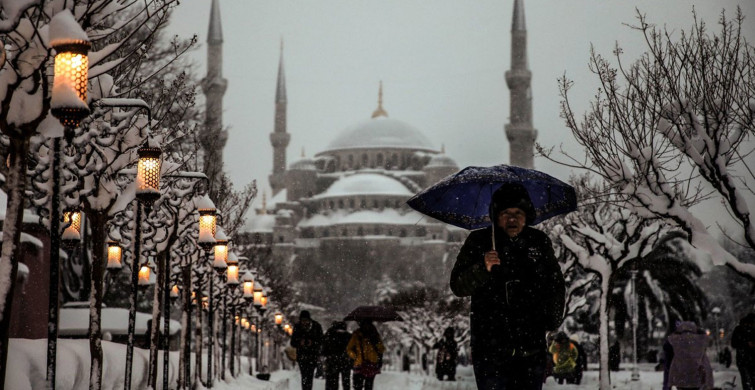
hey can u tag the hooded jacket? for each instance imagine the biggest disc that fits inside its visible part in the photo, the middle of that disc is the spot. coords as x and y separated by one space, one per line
690 366
515 303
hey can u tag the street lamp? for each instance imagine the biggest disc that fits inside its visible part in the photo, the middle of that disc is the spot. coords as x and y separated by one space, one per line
69 90
248 281
278 318
148 174
72 233
145 274
174 293
716 311
635 370
114 255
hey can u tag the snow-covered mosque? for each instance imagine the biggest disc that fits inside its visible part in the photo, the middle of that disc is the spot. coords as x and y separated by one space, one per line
340 220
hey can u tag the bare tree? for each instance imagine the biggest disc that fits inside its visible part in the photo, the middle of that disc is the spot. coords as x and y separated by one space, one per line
675 128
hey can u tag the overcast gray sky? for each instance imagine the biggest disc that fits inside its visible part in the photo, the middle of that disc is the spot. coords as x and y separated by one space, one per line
441 63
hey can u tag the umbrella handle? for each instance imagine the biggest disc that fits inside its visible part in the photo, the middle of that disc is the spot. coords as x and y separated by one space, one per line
492 230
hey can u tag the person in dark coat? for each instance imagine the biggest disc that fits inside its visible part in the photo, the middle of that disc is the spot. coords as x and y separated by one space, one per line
517 292
448 352
581 364
614 356
337 361
307 339
688 364
743 341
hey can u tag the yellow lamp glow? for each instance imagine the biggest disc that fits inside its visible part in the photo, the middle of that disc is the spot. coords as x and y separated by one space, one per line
144 274
69 91
72 233
221 251
232 274
114 253
253 328
174 294
278 318
148 175
263 300
207 221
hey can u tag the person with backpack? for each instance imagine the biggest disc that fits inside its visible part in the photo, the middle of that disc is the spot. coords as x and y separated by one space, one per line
306 338
445 360
688 365
366 350
565 355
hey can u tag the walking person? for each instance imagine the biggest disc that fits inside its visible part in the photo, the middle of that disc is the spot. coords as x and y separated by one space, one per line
366 349
743 341
688 365
448 352
307 339
337 361
565 355
517 291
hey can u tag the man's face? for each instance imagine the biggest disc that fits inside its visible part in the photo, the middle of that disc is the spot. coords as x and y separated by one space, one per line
512 220
306 322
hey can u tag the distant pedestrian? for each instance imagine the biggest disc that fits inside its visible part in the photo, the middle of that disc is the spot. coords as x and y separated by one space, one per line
581 364
337 361
366 350
688 364
565 355
743 341
725 357
614 356
448 352
307 339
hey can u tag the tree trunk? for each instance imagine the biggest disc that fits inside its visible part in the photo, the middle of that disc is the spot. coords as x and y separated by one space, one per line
604 378
16 182
98 221
184 372
198 338
133 295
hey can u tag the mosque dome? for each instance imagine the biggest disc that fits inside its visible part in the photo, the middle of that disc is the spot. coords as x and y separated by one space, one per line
366 184
380 133
441 160
260 223
304 164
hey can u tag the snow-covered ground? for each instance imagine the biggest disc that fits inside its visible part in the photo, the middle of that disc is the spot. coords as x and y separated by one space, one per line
26 370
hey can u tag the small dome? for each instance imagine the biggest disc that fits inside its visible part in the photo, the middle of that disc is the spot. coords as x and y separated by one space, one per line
365 184
305 164
380 132
260 223
441 160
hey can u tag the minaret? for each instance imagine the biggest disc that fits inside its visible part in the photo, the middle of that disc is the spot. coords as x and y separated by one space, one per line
379 111
279 138
214 85
519 130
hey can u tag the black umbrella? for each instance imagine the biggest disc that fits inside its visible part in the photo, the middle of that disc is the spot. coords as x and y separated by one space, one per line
373 313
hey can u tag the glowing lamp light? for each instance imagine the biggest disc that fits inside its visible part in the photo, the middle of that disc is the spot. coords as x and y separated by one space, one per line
257 296
207 220
287 329
253 328
144 275
148 174
278 318
263 301
114 254
69 90
174 294
232 275
237 319
72 233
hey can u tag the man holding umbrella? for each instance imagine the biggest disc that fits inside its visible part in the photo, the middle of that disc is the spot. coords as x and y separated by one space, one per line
517 291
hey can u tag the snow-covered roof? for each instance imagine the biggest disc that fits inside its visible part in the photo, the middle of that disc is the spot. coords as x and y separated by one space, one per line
380 132
365 184
260 223
305 164
385 216
441 160
74 321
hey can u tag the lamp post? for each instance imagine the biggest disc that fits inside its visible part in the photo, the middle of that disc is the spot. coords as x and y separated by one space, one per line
716 311
635 370
206 240
147 191
232 280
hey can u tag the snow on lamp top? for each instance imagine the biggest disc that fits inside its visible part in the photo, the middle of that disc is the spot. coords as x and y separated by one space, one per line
148 174
69 91
72 233
248 281
232 259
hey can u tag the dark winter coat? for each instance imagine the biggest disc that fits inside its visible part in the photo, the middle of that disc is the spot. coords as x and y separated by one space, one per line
307 342
743 334
445 360
689 365
334 349
518 301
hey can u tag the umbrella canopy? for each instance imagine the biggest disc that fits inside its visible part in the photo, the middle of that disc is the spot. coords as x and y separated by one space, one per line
373 313
463 199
